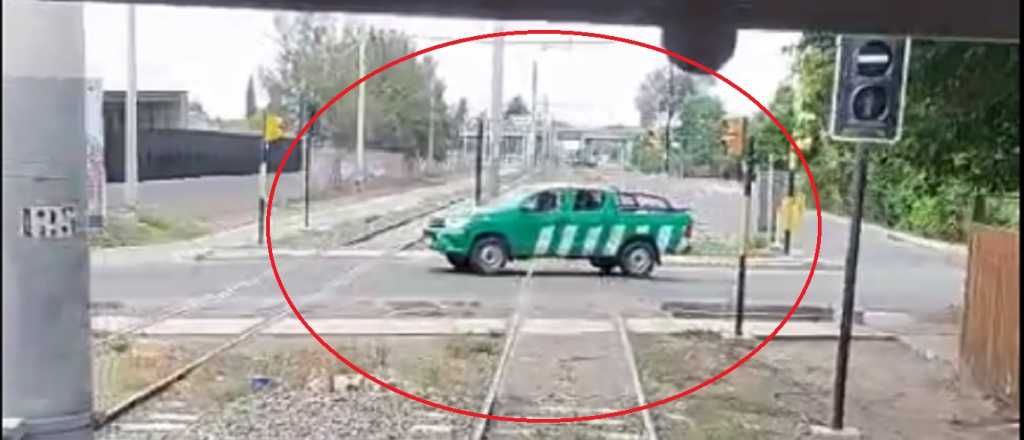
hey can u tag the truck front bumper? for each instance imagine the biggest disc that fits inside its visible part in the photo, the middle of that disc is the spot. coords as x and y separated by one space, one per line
448 241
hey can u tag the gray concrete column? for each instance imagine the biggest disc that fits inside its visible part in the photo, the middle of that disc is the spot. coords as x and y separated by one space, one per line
47 383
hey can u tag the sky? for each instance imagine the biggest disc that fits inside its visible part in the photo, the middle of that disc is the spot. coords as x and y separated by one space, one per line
211 52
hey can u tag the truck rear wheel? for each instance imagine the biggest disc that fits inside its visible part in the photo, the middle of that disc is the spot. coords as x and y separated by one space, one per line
637 259
488 256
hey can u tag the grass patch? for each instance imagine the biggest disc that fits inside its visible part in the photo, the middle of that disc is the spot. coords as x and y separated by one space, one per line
145 229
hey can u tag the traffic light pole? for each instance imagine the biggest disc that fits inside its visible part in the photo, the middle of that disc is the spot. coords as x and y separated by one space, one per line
787 239
264 150
849 282
741 276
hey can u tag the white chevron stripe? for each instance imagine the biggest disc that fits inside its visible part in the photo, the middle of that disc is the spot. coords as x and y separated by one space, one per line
643 229
544 240
664 235
614 239
590 243
683 241
568 235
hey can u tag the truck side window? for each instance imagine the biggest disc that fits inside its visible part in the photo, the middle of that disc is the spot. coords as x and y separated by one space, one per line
543 201
588 200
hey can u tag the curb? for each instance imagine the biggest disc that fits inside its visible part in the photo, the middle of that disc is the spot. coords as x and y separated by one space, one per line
760 263
926 354
904 237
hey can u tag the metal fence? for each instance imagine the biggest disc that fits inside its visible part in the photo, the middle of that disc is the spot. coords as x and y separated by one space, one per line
176 153
990 328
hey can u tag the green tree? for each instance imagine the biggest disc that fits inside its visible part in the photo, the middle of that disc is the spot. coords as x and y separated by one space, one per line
960 142
516 107
317 58
250 99
699 129
655 95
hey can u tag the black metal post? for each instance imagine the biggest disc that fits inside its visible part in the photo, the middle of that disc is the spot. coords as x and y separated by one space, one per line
307 153
264 152
668 122
741 276
790 184
849 282
479 158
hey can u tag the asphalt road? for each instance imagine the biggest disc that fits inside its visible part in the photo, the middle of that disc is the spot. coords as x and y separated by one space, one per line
893 276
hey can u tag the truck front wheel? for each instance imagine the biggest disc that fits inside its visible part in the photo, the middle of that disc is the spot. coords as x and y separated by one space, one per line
488 256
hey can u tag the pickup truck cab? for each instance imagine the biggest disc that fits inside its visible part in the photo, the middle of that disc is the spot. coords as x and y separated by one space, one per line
611 228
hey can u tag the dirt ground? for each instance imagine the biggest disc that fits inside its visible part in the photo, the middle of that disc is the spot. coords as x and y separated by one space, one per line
450 370
891 394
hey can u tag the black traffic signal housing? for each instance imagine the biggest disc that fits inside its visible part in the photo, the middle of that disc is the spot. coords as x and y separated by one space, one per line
870 88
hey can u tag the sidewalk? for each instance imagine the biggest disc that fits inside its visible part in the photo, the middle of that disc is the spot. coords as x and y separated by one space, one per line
284 223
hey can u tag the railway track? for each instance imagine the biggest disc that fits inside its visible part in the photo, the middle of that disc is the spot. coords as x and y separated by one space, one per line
528 392
266 317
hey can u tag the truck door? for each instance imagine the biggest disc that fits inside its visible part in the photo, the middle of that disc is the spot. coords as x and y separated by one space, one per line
585 223
535 230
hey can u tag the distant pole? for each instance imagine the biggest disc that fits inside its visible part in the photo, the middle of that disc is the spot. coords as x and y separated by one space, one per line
741 276
264 150
531 143
497 84
849 283
479 158
430 128
668 121
131 121
790 184
361 113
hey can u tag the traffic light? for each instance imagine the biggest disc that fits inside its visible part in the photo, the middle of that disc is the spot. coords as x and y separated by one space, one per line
734 135
870 88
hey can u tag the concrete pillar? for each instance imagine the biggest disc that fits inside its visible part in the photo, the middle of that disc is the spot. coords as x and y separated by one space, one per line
47 382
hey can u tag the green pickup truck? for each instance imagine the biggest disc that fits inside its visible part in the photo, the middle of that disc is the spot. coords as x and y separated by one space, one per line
611 228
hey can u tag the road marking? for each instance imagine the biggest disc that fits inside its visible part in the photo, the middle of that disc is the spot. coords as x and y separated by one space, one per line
544 240
201 326
566 326
664 235
389 326
568 235
590 243
614 239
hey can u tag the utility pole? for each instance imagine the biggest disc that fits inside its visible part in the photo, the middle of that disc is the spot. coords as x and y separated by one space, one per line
131 121
47 360
668 121
497 84
361 114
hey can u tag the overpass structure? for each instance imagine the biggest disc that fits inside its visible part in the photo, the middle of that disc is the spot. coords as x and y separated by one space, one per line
599 144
